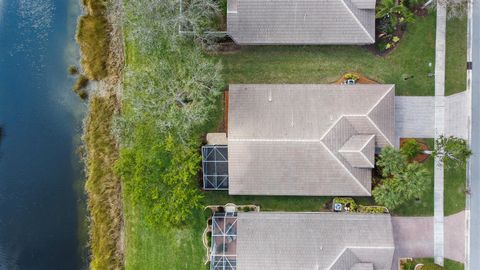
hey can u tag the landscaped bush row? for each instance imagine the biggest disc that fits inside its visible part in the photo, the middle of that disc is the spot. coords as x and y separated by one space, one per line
372 209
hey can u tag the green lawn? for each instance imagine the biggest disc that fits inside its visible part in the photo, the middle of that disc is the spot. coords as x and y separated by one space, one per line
449 264
270 203
160 247
455 70
454 190
324 64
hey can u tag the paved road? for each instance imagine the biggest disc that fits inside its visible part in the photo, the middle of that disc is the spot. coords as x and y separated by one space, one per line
413 237
475 144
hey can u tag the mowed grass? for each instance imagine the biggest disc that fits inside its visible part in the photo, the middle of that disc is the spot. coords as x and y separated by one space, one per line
448 264
455 183
163 248
455 62
325 64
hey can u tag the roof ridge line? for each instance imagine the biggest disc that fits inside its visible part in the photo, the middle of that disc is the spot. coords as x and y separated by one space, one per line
380 99
345 167
338 258
381 132
357 20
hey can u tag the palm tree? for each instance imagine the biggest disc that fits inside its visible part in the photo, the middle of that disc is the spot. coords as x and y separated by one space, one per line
395 12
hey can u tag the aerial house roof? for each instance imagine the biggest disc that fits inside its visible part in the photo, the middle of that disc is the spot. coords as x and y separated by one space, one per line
316 140
258 22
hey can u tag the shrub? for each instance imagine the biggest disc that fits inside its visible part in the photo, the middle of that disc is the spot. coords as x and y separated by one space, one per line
82 82
79 86
410 148
371 209
344 201
351 76
403 186
391 162
72 70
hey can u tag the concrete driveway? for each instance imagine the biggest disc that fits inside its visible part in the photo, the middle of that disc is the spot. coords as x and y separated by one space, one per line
414 237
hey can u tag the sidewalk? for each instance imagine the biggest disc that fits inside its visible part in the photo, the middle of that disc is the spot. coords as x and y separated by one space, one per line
440 49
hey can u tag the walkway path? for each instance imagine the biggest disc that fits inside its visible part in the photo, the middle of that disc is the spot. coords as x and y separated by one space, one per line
414 237
438 221
415 116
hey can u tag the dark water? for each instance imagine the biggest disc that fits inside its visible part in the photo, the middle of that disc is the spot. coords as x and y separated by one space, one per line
40 173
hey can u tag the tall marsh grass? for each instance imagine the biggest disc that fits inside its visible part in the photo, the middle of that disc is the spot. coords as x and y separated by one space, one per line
93 38
103 186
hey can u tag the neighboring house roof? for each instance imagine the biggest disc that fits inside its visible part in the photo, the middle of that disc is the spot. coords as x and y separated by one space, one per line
301 21
334 241
287 139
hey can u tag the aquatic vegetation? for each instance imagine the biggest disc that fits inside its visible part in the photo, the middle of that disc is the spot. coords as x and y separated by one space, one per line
93 37
103 186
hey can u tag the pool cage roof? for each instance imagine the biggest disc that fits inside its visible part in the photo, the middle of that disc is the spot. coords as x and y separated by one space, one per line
215 167
224 241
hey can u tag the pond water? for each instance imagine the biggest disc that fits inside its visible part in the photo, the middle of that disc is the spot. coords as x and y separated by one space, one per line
41 204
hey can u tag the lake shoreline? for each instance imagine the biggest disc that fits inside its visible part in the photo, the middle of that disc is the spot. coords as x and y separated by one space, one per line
103 188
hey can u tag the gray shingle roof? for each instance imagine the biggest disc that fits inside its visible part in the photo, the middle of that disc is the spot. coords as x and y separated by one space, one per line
359 151
285 139
281 241
301 21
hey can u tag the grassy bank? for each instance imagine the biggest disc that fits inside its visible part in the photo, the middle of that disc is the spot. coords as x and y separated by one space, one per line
103 186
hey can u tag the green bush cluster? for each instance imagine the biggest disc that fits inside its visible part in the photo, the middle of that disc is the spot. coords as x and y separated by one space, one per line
371 209
403 181
410 148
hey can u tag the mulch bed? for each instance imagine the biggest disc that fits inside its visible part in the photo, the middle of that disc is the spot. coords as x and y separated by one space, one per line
420 157
362 79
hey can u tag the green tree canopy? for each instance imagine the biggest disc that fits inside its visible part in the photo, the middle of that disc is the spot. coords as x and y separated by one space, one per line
170 95
391 161
160 173
452 149
403 181
396 12
403 187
